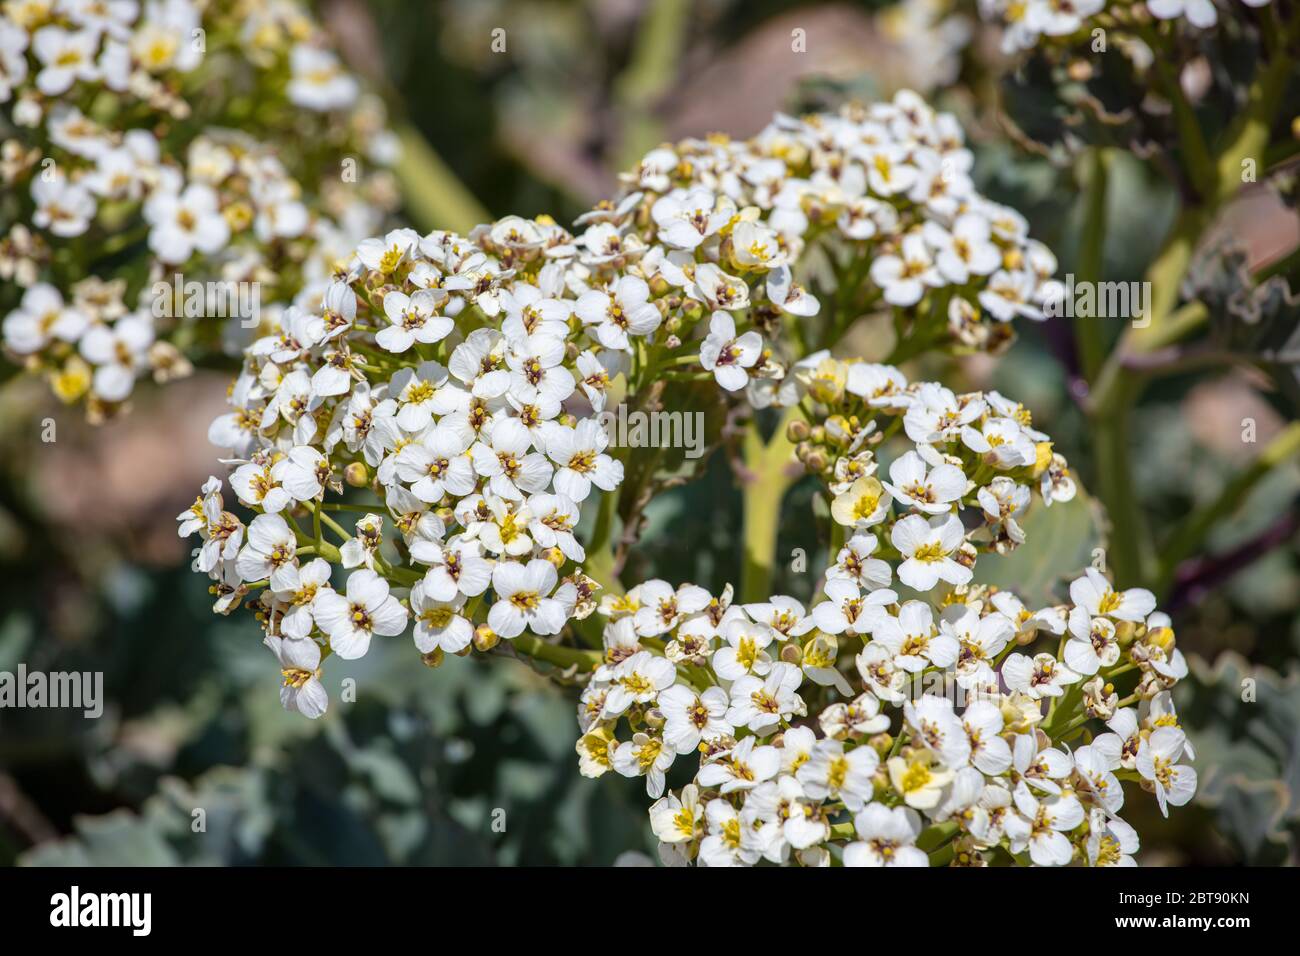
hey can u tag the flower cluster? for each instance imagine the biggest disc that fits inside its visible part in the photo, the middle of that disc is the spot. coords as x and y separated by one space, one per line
874 730
123 159
878 197
435 375
1026 24
976 451
448 393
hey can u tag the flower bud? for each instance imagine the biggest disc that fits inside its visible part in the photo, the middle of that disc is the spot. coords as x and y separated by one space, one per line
433 658
791 653
485 638
797 430
356 474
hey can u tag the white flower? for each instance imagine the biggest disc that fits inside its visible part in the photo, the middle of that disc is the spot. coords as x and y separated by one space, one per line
934 724
744 653
638 680
507 462
885 837
936 415
789 296
1039 676
783 614
927 548
300 668
691 716
914 640
522 599
979 641
1042 825
186 222
728 356
120 352
729 842
1094 767
318 81
1199 13
1111 841
1092 645
40 318
677 820
412 319
386 254
298 594
66 57
269 552
579 453
663 607
686 217
1157 758
626 312
1093 593
831 774
932 491
760 703
439 625
62 207
645 755
536 373
863 504
455 568
965 250
989 752
919 780
846 609
367 609
437 465
553 521
719 290
1002 441
743 767
905 277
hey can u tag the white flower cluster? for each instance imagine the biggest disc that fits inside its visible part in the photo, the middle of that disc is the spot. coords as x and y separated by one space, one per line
446 391
883 192
435 374
977 450
935 748
120 148
1025 24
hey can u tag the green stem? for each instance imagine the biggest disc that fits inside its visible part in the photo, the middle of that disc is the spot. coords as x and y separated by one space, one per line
434 195
1087 332
533 646
765 485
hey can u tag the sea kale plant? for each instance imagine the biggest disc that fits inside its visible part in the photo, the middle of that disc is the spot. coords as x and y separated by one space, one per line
429 450
143 157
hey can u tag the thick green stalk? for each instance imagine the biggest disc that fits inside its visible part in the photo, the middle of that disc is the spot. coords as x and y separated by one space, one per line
1087 331
436 198
532 646
1117 389
769 477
